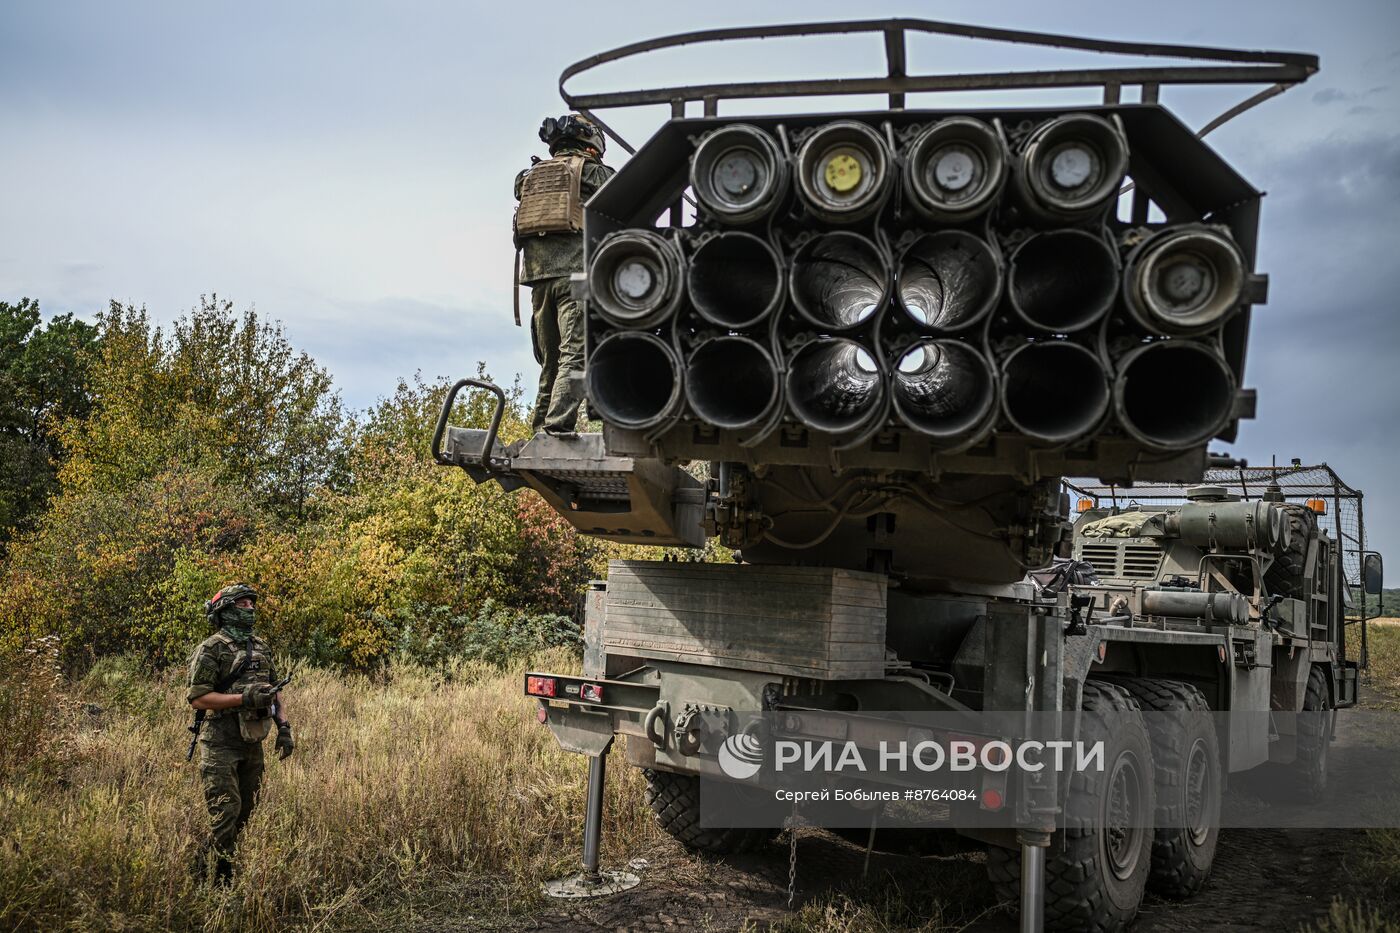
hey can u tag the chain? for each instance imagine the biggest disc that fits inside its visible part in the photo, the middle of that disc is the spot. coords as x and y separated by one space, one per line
792 856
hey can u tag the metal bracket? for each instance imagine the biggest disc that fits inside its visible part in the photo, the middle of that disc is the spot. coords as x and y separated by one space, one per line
492 464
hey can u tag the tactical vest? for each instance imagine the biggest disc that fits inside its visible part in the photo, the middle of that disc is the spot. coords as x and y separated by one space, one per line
253 724
550 201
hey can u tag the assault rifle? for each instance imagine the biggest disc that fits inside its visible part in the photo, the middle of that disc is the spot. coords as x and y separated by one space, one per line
222 687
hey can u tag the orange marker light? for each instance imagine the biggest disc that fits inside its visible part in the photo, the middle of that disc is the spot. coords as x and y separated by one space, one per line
1318 505
1084 505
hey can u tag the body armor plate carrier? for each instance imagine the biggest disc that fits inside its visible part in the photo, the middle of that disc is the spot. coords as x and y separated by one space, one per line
549 198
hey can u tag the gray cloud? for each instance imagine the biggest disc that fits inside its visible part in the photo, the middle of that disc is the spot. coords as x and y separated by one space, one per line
1331 95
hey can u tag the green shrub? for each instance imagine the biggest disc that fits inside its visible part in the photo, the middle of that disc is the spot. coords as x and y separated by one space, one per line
434 636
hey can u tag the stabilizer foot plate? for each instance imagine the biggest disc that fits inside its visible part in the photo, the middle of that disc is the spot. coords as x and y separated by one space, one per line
580 885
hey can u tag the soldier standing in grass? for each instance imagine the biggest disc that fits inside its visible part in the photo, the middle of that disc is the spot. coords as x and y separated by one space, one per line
549 244
234 686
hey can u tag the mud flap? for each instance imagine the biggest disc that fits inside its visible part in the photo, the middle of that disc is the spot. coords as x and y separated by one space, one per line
576 730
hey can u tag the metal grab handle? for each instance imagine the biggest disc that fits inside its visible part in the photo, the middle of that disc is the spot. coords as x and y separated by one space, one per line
447 413
659 711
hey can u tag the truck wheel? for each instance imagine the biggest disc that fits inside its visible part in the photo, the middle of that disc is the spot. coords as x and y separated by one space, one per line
1307 775
1187 758
1097 866
675 799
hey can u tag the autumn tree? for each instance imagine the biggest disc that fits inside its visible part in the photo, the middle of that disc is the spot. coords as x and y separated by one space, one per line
221 391
43 381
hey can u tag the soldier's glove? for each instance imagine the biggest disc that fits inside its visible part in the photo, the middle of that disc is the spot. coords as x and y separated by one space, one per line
258 696
284 745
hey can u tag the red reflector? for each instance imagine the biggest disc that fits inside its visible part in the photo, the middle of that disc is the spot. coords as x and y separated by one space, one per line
992 799
542 714
541 686
593 693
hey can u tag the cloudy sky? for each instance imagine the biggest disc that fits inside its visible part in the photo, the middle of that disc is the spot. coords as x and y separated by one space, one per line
346 167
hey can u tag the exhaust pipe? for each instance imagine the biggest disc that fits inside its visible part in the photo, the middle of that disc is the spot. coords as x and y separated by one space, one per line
633 380
843 172
731 382
1173 394
1054 391
735 280
948 281
834 385
1062 281
738 173
955 169
839 281
945 389
1071 166
1184 280
635 279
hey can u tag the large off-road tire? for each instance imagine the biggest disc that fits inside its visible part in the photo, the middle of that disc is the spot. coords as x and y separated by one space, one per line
1306 778
675 799
1097 866
1285 575
1186 755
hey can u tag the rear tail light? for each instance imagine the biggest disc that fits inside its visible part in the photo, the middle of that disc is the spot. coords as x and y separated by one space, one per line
537 686
593 693
992 799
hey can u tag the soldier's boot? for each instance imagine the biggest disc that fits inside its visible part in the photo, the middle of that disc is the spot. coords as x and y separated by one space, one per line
210 864
223 871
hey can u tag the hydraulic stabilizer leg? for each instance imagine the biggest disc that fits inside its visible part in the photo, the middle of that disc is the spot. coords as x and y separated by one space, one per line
592 881
593 821
1033 846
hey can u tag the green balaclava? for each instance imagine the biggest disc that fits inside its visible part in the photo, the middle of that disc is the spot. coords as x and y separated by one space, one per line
224 613
238 622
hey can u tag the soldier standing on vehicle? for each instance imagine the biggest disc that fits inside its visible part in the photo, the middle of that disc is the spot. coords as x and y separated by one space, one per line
234 687
549 241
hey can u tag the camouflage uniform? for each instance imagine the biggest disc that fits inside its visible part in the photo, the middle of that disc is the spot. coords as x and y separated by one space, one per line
556 325
230 766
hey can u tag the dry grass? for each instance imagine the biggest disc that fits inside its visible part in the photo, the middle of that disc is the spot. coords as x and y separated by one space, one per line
415 786
1355 918
1379 852
1383 646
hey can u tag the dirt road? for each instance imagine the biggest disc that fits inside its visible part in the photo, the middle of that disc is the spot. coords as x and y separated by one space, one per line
835 889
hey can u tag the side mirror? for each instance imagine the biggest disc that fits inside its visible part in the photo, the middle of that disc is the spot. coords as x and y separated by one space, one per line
1372 573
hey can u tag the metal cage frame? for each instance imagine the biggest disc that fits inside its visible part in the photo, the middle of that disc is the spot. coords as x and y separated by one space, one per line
1279 70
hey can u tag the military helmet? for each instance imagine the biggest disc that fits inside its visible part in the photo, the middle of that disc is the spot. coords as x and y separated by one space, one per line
227 597
571 131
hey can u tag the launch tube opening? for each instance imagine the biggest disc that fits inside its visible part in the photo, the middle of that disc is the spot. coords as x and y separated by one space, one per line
731 382
634 278
735 280
1185 281
1173 394
943 389
955 169
738 173
1072 165
948 280
1063 280
1054 391
834 385
632 380
839 281
843 171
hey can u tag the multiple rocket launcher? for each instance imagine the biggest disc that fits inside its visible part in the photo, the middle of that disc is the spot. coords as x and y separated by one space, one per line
946 278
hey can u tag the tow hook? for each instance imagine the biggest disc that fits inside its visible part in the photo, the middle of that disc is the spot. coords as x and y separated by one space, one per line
657 714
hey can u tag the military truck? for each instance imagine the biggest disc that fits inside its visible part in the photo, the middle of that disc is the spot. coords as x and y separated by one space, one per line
886 336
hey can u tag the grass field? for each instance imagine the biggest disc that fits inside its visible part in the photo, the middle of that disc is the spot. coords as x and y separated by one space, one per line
415 794
413 788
